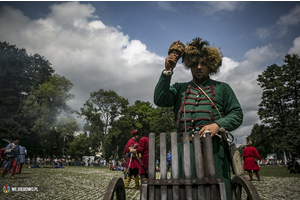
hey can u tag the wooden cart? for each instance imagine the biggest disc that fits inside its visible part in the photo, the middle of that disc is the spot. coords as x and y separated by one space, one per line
204 186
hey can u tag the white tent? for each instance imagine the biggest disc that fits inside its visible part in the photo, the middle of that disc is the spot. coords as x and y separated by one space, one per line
271 156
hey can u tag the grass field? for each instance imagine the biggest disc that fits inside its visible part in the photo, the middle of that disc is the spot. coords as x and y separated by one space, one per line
91 183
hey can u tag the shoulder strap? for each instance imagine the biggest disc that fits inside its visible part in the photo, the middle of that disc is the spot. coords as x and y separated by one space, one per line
207 97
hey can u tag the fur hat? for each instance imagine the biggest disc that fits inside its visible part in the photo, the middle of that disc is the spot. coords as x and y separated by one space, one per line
200 49
177 47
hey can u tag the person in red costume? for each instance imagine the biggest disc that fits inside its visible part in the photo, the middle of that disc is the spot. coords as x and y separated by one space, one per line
134 164
143 149
249 155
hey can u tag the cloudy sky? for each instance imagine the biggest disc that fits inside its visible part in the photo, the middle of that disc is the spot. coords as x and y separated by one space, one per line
121 46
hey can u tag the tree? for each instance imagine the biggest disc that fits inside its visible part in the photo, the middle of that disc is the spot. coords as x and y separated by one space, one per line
117 137
279 108
79 146
141 114
45 104
260 137
163 122
20 74
101 112
65 128
137 116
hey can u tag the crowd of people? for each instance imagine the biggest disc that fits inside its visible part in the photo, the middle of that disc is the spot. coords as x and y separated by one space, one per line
90 162
117 165
13 157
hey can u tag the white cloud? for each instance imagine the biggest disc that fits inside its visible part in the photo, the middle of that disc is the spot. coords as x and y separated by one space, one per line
264 32
280 28
241 76
166 5
95 56
86 51
226 69
223 6
255 59
259 55
296 47
292 18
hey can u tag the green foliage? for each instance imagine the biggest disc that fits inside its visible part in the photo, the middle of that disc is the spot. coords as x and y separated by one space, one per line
44 105
101 111
163 122
31 99
118 137
46 102
65 128
279 107
33 104
20 74
141 116
137 116
79 147
261 140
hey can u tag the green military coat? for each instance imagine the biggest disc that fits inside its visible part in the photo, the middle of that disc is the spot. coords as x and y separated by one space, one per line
200 112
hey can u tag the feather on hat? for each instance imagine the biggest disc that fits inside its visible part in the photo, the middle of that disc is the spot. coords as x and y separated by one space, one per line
199 48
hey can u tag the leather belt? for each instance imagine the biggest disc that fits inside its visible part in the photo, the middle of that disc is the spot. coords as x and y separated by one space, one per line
180 139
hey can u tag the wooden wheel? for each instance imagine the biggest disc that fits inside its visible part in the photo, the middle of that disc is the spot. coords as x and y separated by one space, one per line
115 187
240 185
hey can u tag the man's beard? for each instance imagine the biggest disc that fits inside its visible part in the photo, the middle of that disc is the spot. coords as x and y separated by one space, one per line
200 79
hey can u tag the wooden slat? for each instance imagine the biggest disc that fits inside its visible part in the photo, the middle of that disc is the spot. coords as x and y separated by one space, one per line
194 193
151 167
210 165
163 163
223 191
175 170
207 192
157 193
144 190
170 192
182 193
199 171
187 163
203 186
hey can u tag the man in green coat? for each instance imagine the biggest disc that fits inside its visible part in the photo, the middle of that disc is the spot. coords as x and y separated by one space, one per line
208 104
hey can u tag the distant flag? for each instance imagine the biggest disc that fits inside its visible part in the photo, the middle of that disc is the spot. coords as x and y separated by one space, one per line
284 157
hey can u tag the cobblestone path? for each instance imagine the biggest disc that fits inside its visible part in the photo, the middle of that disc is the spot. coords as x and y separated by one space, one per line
91 183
